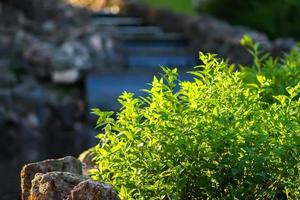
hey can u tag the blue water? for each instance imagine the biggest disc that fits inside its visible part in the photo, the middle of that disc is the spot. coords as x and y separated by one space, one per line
104 90
154 62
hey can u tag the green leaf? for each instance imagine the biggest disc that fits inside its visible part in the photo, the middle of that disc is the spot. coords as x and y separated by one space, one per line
246 41
261 79
103 152
223 135
129 135
282 99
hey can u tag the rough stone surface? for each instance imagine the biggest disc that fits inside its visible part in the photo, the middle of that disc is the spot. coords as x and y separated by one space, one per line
44 58
61 179
90 190
41 10
283 44
67 164
53 185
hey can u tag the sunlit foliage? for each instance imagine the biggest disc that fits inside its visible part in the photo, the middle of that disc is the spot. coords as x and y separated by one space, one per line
226 135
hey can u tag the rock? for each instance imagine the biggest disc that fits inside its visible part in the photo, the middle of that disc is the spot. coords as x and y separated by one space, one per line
61 179
35 52
31 138
5 97
81 136
40 10
53 185
207 33
30 96
90 190
10 134
55 43
86 158
72 54
69 186
7 79
67 164
283 44
68 76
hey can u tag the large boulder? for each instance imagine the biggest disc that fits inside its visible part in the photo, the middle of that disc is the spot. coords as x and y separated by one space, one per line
61 179
67 164
54 185
90 190
69 186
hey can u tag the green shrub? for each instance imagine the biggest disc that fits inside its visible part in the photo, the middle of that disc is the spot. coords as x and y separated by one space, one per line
272 76
215 138
274 17
178 6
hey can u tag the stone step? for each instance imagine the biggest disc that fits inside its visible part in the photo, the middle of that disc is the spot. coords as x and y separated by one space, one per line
107 13
151 42
134 31
150 63
104 90
118 21
158 36
154 51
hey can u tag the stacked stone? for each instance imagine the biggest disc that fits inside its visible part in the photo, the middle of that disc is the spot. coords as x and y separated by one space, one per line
61 179
206 33
44 57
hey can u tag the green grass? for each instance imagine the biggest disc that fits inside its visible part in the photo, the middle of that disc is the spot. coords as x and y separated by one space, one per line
178 6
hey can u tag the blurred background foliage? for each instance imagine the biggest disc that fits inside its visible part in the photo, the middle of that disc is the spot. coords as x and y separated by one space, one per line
179 6
276 18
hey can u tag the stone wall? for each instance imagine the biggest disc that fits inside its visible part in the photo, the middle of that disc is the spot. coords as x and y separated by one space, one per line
207 34
43 61
39 60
